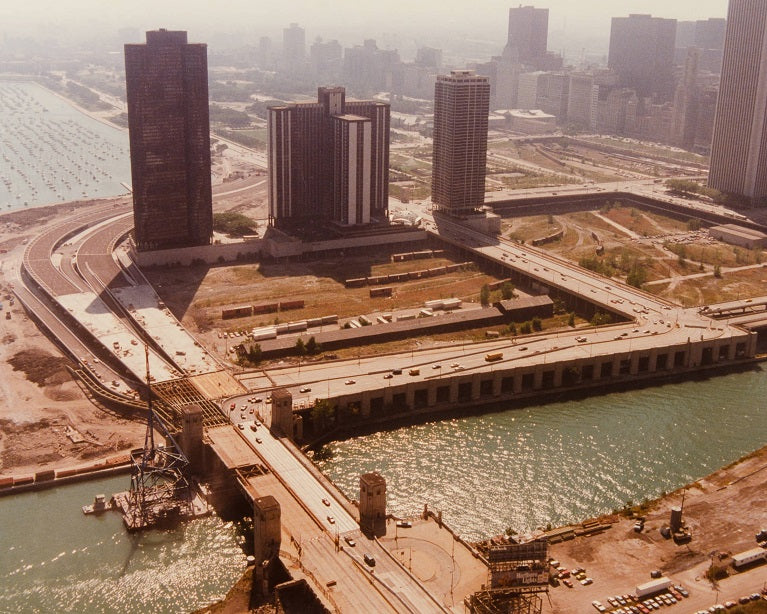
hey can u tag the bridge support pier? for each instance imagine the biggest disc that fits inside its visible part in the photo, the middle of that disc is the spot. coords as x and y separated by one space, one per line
267 537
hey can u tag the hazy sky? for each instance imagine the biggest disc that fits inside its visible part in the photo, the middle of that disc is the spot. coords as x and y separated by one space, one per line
188 13
344 19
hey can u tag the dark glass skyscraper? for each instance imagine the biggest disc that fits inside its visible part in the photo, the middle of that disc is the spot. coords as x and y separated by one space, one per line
167 90
642 54
528 33
461 109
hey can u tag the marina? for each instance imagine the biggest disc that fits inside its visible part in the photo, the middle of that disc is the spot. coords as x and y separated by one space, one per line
50 152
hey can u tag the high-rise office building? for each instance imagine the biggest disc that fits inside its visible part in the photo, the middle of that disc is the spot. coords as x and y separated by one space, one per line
686 103
642 54
328 161
167 90
528 33
293 47
461 109
739 146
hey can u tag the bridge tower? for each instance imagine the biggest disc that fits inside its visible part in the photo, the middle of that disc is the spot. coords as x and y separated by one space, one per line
191 435
282 412
373 504
267 537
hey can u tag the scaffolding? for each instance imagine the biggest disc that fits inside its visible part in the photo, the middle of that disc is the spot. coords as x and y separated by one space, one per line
160 493
508 601
517 576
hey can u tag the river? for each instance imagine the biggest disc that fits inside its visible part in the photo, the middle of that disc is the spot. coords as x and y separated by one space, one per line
560 462
53 558
555 463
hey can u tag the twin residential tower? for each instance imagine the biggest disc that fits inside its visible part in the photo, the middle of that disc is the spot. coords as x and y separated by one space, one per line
328 161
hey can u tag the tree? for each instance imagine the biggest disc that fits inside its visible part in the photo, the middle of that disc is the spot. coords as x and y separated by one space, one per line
683 186
600 318
526 328
254 353
571 320
484 295
323 413
507 290
537 324
300 347
234 224
312 347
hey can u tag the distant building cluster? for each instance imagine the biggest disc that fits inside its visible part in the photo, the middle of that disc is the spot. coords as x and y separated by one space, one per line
660 82
329 159
651 89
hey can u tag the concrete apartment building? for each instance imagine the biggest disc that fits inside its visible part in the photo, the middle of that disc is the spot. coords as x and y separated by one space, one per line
167 91
642 54
461 110
739 147
328 161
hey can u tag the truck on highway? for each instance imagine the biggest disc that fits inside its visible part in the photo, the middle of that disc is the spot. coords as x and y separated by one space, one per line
493 356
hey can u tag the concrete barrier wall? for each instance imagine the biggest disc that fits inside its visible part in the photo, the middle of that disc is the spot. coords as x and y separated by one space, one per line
451 392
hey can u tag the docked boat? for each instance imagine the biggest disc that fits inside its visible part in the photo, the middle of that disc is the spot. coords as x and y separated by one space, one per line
99 505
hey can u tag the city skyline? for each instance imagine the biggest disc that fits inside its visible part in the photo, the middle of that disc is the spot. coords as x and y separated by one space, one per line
393 19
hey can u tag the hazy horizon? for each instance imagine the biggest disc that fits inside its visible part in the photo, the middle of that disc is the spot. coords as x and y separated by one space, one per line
344 16
465 31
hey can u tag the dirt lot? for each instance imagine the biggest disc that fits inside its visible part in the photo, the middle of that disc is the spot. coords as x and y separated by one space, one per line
724 511
198 299
45 419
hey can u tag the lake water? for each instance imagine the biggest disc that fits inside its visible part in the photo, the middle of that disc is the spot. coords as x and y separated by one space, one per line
50 152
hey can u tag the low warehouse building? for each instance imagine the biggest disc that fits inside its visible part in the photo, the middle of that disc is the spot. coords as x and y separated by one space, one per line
738 235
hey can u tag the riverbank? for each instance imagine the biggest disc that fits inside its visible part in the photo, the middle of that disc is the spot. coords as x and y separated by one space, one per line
723 511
